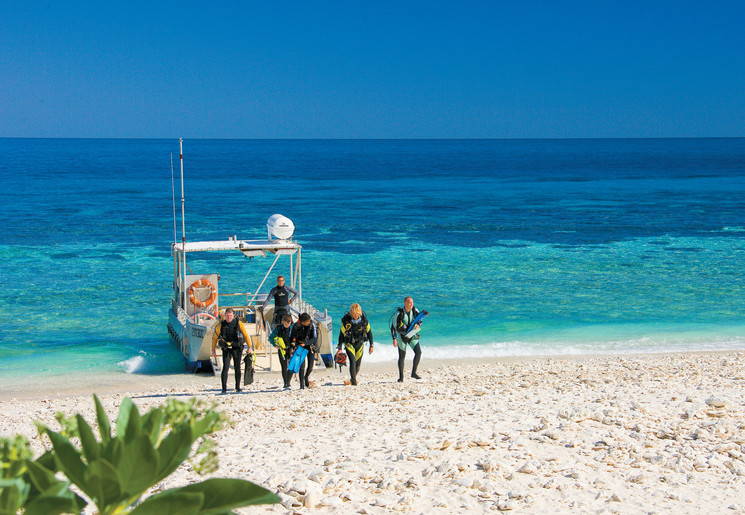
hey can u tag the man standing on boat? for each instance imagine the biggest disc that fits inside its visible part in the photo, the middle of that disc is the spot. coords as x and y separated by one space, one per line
282 300
407 326
230 334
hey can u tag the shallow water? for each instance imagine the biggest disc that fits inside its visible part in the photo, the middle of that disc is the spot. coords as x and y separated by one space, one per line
516 247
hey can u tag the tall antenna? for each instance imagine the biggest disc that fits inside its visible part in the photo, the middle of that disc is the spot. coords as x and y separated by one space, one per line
173 190
183 222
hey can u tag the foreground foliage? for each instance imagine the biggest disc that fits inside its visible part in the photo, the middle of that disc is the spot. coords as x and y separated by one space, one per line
31 485
116 469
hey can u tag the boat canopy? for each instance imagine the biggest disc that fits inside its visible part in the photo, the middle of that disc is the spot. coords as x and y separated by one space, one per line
247 247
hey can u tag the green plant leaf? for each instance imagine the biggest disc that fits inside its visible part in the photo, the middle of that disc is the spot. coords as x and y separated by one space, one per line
222 495
205 424
14 455
68 425
68 459
46 460
103 484
204 459
138 466
41 477
51 505
117 470
173 450
170 502
91 447
128 424
152 424
67 500
45 484
125 408
134 427
113 451
13 494
104 427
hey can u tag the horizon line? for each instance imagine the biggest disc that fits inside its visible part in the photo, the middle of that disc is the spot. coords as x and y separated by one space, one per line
369 139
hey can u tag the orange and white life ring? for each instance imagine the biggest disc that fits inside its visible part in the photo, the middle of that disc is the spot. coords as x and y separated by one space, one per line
202 283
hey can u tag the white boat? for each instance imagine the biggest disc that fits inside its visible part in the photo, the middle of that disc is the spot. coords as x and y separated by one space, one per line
198 303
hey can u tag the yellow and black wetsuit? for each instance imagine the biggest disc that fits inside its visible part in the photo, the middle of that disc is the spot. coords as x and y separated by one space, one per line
230 337
352 336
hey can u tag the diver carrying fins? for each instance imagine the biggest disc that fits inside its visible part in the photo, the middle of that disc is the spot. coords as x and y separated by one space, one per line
231 335
407 326
304 339
248 369
280 339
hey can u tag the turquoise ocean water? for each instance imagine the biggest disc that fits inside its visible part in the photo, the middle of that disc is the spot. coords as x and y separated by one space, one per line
516 247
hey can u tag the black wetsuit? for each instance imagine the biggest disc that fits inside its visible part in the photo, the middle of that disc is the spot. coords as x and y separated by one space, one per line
352 335
282 299
284 354
305 336
231 342
402 324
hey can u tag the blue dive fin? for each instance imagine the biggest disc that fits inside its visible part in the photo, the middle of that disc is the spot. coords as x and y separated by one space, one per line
412 330
297 359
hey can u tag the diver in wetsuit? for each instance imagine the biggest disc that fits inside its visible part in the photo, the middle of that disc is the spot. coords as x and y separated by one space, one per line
282 300
304 335
355 330
280 338
405 316
231 334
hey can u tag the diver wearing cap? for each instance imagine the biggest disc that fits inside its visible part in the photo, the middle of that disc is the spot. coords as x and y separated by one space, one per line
355 330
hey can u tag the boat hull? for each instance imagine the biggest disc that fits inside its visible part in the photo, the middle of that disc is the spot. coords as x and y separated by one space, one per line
193 340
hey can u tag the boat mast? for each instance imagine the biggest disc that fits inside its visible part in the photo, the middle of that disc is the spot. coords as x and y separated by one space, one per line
173 191
183 224
295 279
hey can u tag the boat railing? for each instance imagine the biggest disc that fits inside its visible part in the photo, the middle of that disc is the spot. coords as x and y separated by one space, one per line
239 302
252 314
258 300
305 307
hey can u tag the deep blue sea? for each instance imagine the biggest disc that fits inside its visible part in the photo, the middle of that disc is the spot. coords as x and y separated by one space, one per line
515 247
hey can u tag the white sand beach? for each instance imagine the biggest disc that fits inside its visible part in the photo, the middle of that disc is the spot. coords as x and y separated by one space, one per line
601 434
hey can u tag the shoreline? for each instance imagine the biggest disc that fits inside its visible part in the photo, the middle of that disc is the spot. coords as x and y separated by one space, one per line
623 434
56 386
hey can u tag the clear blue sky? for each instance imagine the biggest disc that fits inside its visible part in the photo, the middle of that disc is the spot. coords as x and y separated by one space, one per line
346 69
